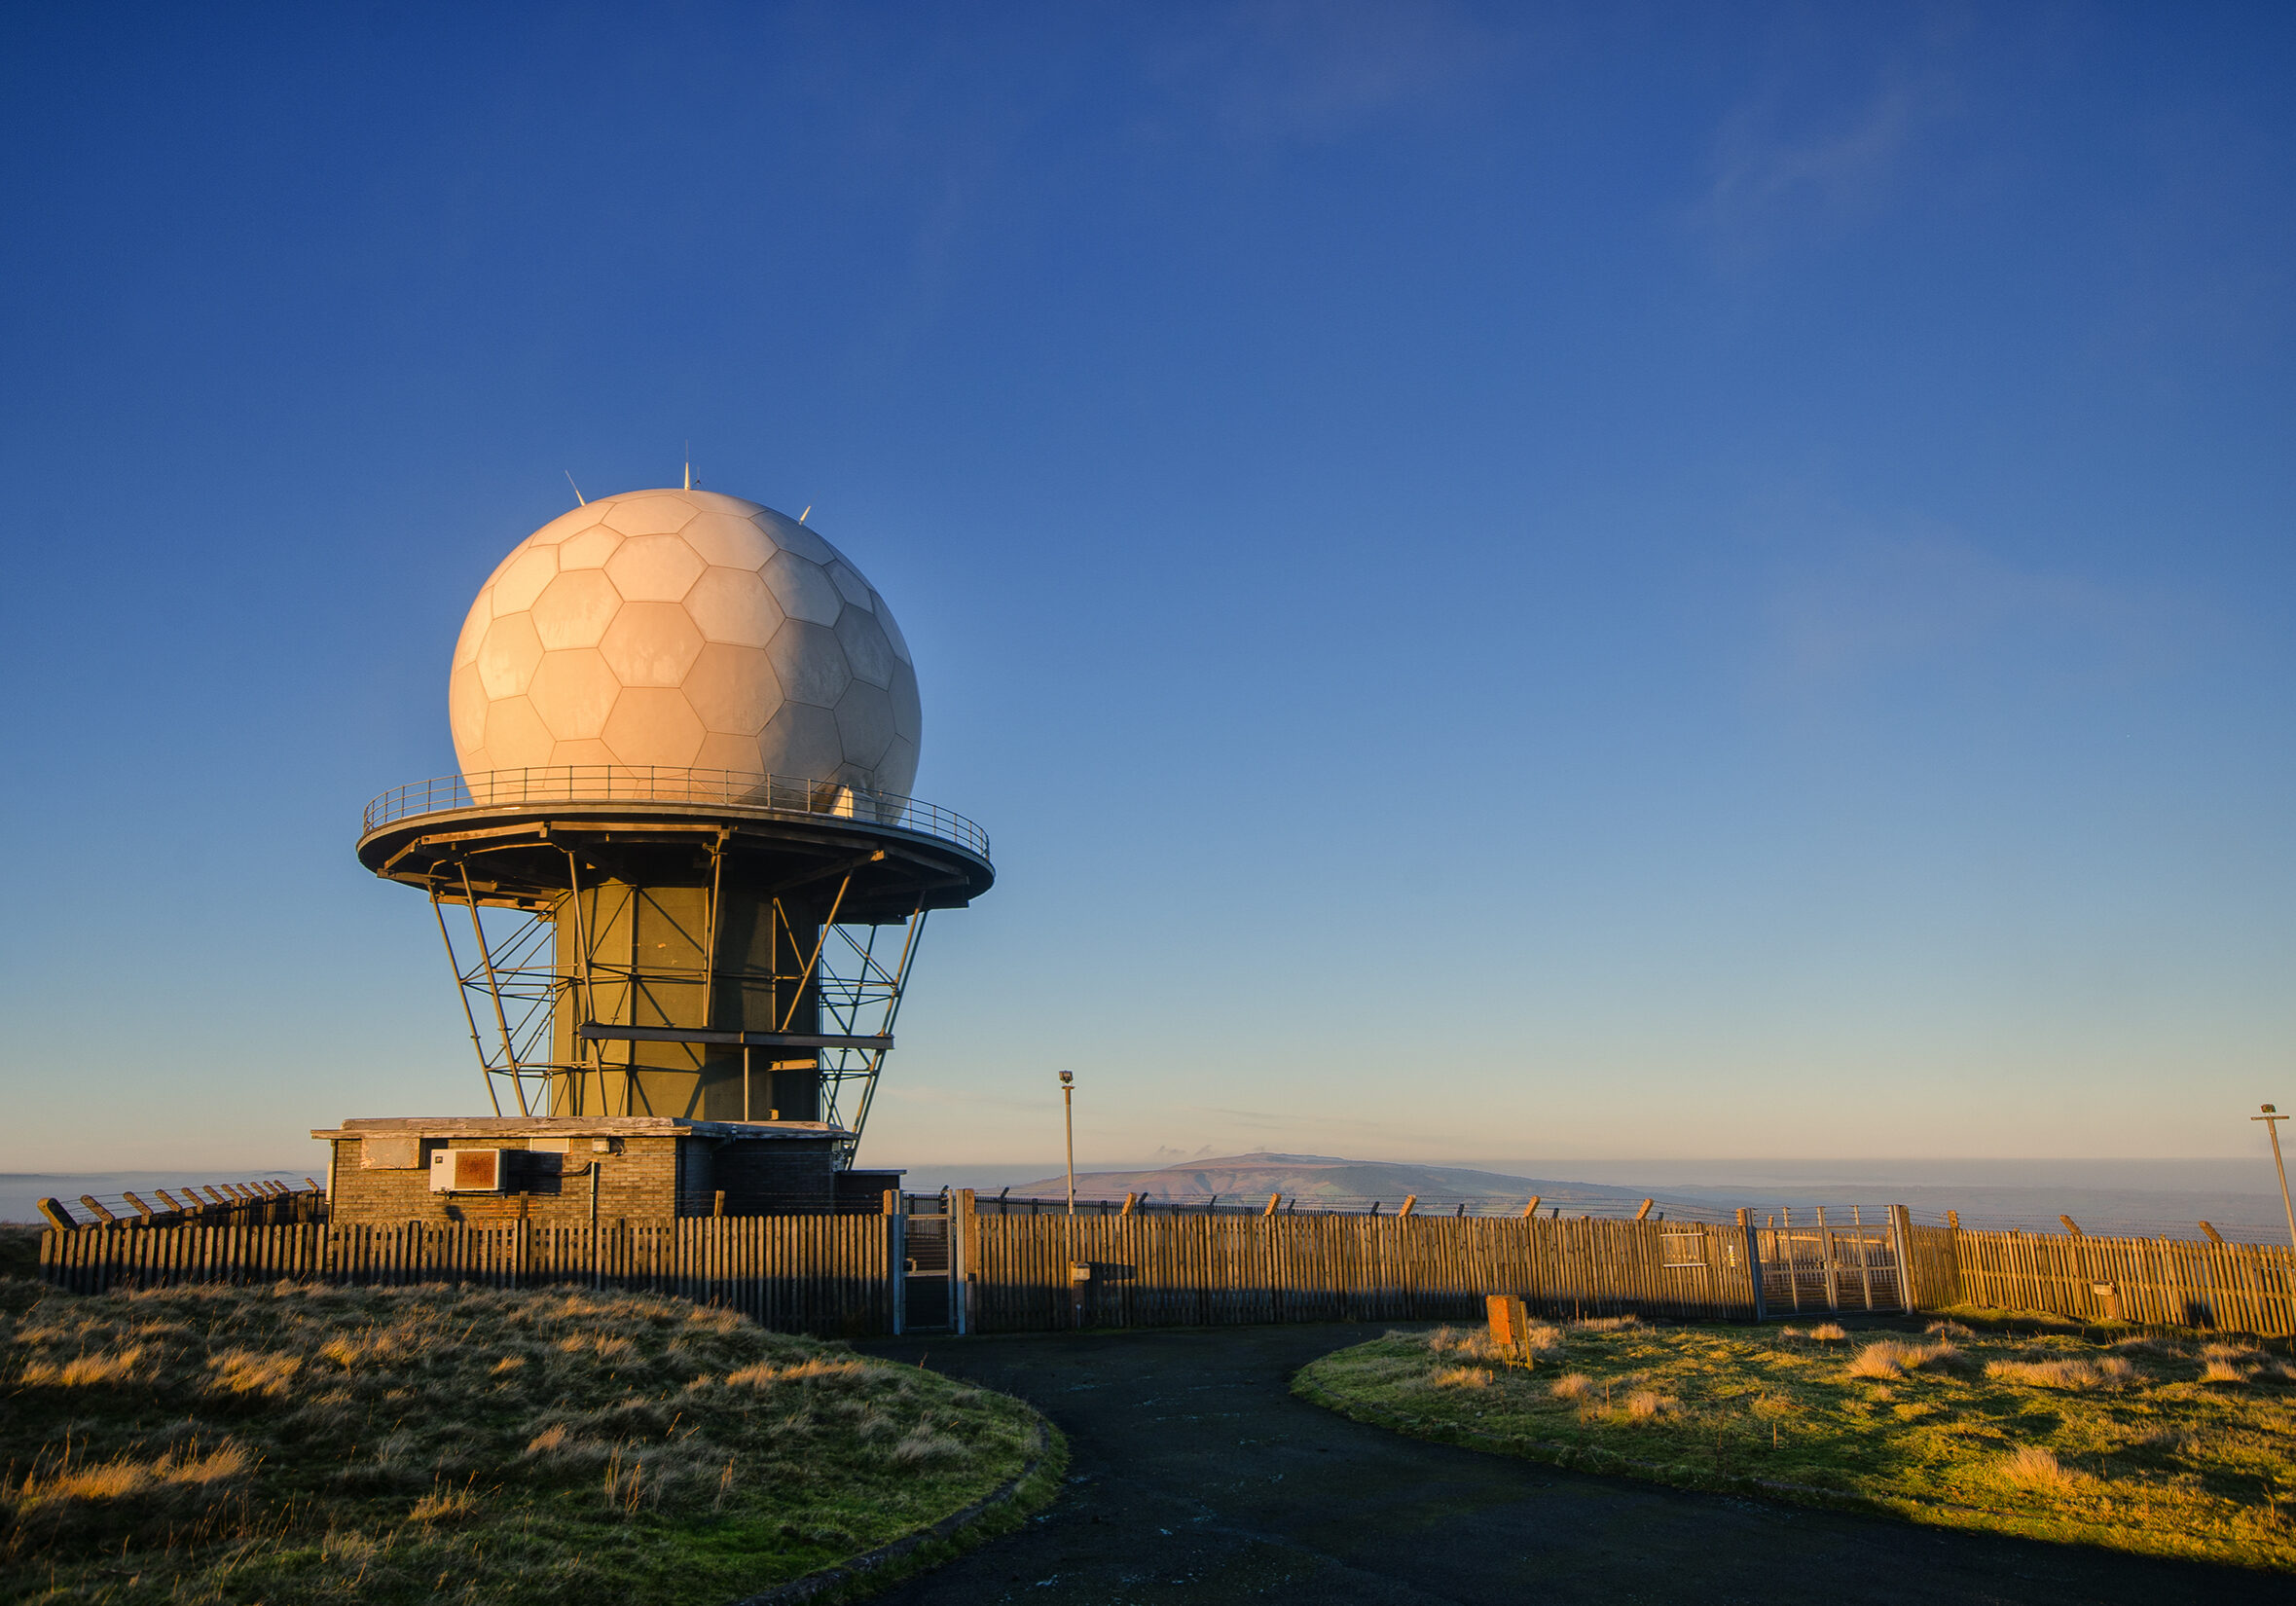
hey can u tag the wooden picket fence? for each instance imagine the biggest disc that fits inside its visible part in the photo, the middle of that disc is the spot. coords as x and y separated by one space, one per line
854 1275
1035 1273
2167 1282
816 1273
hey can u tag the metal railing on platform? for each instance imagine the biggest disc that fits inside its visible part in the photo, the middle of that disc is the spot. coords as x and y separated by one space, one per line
663 784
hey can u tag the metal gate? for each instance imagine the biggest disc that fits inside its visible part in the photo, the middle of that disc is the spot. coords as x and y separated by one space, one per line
929 1243
1826 1265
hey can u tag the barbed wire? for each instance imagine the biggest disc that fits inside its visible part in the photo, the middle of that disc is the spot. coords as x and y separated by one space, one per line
1568 1207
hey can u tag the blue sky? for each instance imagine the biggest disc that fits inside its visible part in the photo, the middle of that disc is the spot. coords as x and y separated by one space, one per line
1511 584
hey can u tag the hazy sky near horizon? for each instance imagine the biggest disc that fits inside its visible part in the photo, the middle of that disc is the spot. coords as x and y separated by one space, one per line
1507 581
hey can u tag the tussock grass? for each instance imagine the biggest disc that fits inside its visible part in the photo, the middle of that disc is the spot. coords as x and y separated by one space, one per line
1460 1378
2067 1371
2158 1445
1888 1358
213 1444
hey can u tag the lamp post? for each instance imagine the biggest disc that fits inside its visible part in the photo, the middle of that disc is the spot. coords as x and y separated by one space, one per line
2272 1120
1067 1117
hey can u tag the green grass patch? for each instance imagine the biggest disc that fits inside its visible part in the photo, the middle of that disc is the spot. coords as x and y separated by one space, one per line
2173 1446
213 1444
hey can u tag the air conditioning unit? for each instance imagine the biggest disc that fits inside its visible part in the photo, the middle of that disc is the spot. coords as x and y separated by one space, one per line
466 1171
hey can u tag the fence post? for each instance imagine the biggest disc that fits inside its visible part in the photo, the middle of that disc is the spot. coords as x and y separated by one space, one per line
1749 1234
1832 1273
961 1256
896 1259
1901 1243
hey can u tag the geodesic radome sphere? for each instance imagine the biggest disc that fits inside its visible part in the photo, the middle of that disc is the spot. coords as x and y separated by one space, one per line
689 630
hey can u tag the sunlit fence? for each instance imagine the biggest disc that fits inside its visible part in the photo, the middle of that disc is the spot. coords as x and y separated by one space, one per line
1005 1269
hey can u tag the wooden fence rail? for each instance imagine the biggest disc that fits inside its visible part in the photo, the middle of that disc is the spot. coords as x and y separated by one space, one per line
847 1275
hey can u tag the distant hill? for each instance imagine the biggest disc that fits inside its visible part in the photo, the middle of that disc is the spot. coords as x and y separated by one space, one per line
1321 1178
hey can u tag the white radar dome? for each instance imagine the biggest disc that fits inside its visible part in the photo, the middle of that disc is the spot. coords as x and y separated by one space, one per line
689 630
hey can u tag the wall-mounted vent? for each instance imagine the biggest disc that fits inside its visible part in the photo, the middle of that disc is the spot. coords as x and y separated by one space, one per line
466 1171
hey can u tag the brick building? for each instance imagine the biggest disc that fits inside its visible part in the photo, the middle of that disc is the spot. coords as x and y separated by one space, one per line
574 1170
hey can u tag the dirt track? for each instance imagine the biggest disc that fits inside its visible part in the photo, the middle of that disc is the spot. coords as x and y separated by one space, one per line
1197 1478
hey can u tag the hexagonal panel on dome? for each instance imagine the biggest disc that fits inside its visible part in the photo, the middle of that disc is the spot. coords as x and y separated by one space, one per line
522 576
718 501
654 569
588 548
908 711
651 643
897 770
864 724
574 610
728 540
568 523
474 625
650 513
734 606
892 633
507 656
573 692
585 749
733 689
850 586
802 741
723 750
654 725
467 705
866 649
810 663
791 536
516 737
804 589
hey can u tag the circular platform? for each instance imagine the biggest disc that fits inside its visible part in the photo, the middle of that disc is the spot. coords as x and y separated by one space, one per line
524 837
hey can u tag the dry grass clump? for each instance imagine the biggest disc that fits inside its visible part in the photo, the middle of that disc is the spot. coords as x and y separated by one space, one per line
2065 1373
1825 1332
926 1448
81 1371
1478 1344
1889 1357
1646 1405
1460 1378
1605 1324
1576 1386
2145 1343
2034 1466
436 1442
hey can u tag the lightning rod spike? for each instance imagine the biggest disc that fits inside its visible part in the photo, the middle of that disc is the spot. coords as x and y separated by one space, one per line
580 500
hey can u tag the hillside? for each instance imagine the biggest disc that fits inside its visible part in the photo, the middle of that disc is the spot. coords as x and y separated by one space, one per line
1321 1178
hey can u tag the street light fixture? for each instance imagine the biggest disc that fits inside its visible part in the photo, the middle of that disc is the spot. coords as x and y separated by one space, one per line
2272 1120
1067 1117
